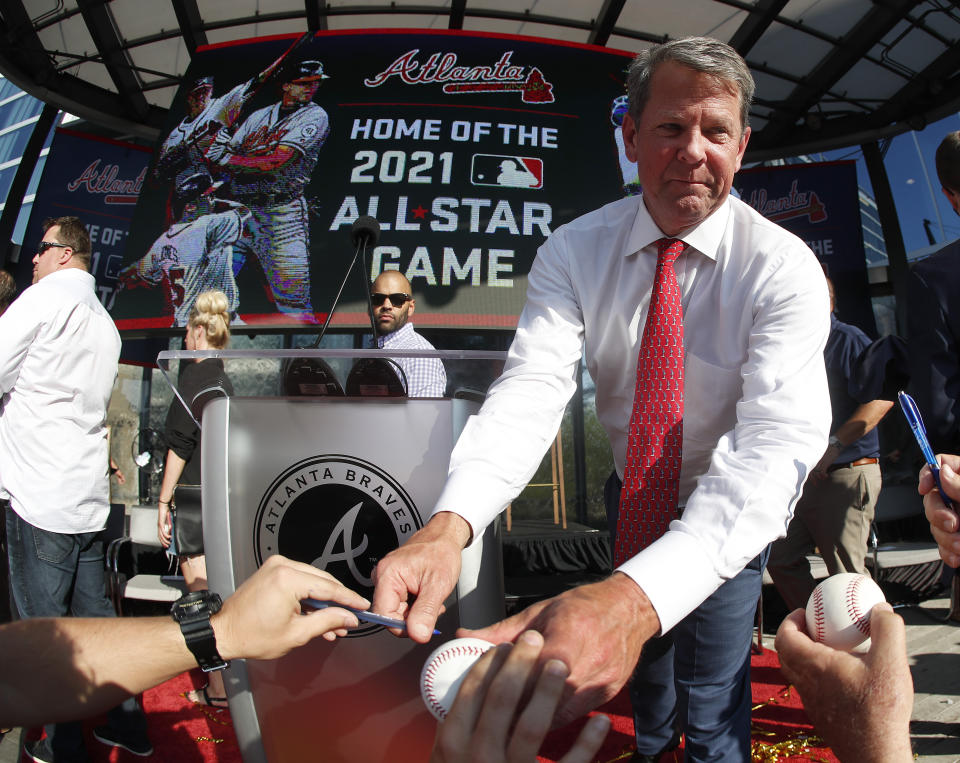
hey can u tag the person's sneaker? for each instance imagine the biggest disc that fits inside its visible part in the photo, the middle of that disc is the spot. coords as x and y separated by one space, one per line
106 735
38 750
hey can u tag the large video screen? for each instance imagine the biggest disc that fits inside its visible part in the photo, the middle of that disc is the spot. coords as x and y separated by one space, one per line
468 150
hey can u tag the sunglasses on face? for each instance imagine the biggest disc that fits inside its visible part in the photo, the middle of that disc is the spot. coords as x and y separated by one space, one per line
44 245
397 299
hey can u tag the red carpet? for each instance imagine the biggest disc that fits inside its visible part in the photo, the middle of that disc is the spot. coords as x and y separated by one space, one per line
183 732
179 730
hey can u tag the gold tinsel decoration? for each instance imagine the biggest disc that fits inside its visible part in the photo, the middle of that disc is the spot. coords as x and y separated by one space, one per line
213 714
800 743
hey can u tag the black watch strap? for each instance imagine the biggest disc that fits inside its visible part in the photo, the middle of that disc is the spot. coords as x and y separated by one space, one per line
192 611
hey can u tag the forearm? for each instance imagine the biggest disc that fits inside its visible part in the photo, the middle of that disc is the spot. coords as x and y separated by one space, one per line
71 668
863 420
171 476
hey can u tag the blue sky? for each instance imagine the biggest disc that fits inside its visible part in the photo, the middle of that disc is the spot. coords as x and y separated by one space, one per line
910 167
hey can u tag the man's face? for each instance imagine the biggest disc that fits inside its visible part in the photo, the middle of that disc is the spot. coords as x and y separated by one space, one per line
299 92
47 260
687 144
198 99
389 317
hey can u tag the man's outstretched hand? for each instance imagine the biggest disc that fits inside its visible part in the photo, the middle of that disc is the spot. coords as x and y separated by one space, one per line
426 567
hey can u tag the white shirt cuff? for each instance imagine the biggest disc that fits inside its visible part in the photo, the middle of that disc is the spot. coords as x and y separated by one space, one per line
675 574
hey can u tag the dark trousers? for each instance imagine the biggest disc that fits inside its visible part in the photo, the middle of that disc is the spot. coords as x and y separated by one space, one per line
57 574
696 678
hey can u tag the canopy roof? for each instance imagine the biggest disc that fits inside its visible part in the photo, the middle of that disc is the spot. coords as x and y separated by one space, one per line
830 73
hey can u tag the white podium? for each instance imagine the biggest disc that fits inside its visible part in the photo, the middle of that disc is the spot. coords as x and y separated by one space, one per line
336 482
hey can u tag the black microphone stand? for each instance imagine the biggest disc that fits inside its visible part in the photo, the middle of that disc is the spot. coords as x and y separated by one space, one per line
364 233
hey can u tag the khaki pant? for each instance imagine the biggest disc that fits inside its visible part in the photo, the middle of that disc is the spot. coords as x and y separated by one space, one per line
834 516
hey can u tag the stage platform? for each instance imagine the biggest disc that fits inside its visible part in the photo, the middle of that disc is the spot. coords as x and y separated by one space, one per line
542 559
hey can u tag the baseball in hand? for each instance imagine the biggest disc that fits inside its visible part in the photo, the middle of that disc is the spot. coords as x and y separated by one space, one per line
838 612
444 670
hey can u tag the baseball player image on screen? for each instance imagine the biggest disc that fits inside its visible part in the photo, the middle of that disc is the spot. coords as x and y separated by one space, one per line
269 160
181 154
628 170
195 254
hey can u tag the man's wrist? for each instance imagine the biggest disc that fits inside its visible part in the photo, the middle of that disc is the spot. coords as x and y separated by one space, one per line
452 525
221 630
638 601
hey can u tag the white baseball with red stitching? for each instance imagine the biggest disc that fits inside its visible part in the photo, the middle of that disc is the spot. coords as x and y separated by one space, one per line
838 612
444 670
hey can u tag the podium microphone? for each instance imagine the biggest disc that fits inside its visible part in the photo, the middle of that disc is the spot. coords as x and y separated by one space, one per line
364 232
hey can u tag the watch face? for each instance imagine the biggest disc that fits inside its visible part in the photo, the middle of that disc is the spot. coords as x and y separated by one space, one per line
195 603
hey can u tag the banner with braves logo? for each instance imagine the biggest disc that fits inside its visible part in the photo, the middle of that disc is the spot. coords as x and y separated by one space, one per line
820 203
467 149
97 180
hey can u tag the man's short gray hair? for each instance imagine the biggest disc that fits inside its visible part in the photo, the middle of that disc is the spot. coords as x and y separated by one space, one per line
702 54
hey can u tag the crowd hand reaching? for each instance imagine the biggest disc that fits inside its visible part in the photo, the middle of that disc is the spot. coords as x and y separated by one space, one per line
263 619
489 722
597 630
427 567
944 522
859 703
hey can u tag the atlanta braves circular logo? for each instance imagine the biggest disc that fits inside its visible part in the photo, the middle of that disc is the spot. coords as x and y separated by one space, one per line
340 514
308 131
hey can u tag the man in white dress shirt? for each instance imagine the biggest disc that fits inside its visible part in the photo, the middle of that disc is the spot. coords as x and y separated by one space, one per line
58 360
755 420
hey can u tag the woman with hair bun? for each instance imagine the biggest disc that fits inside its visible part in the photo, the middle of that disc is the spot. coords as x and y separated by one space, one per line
208 328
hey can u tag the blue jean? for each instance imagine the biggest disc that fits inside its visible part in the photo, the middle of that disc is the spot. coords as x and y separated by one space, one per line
696 678
57 574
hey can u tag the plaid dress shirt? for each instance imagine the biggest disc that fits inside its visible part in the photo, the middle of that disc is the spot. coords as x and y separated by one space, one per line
425 376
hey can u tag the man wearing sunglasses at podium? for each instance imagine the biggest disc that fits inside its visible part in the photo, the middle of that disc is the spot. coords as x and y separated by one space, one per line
393 306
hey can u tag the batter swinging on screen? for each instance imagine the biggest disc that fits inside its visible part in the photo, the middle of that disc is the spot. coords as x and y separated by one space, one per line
269 161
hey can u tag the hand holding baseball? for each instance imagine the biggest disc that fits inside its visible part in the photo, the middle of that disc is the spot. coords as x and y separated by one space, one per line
859 703
489 722
838 612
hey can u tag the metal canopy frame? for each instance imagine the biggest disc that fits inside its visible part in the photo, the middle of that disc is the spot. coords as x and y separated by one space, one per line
831 73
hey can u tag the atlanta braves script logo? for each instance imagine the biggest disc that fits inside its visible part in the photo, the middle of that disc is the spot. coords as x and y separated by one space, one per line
442 68
340 514
104 180
796 203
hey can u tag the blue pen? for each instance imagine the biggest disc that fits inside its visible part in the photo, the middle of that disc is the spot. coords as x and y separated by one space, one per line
366 616
915 421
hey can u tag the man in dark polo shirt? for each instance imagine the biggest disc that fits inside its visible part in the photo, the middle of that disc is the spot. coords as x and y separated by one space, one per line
836 509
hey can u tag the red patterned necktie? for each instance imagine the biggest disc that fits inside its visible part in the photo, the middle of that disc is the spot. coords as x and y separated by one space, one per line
651 474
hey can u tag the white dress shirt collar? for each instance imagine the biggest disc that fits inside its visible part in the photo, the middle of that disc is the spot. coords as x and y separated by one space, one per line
705 237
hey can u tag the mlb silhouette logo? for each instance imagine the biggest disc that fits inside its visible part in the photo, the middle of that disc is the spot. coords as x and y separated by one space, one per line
506 171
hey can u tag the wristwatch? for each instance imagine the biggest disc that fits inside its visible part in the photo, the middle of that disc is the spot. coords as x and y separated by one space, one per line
192 611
